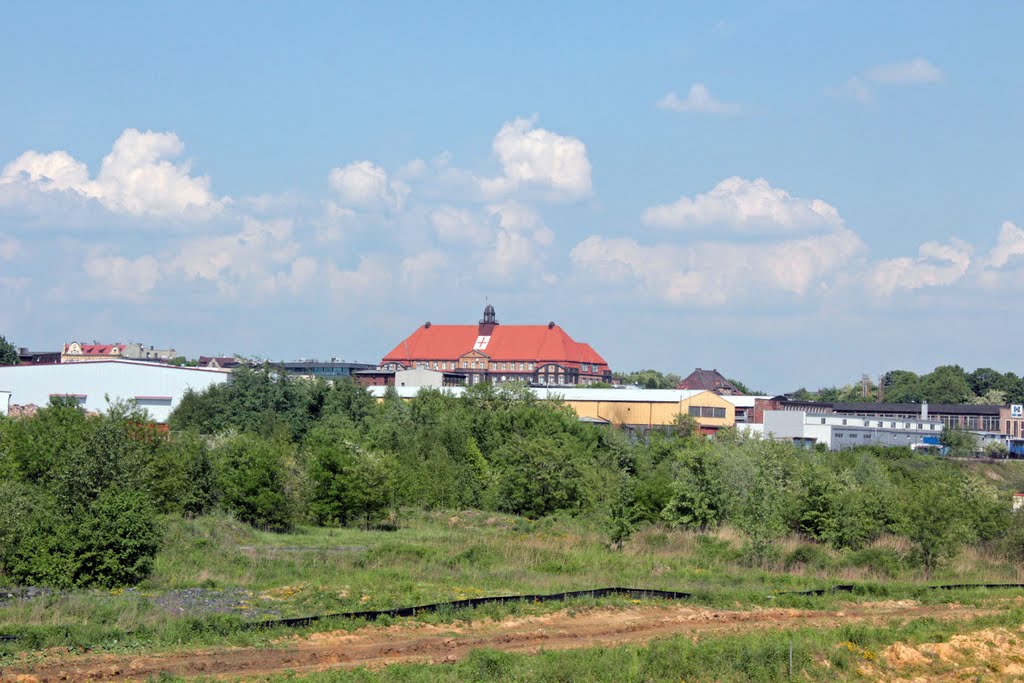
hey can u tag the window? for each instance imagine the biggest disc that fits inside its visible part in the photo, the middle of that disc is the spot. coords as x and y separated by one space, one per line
892 425
465 364
839 435
530 366
822 420
867 436
920 426
695 411
879 424
844 420
504 366
521 367
435 365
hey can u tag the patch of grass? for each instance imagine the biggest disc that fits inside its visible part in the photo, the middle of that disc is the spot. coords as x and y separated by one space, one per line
440 556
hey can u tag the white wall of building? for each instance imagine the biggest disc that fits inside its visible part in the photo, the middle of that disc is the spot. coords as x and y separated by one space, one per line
419 378
157 388
5 402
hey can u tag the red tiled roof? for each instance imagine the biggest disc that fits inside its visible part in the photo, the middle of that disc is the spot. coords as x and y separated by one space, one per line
537 343
97 349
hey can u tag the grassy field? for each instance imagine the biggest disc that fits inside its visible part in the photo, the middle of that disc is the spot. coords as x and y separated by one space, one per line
214 574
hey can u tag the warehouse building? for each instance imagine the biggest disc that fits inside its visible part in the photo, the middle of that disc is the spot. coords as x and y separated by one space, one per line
636 410
841 431
156 387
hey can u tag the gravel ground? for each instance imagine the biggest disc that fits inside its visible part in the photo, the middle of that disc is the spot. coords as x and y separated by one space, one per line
21 593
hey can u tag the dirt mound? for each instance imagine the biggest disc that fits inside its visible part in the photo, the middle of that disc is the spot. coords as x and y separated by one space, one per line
411 641
992 654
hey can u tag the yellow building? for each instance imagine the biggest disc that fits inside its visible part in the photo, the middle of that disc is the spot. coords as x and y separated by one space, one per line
647 408
638 409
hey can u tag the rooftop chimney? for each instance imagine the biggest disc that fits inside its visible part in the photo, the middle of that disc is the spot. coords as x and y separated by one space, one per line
924 410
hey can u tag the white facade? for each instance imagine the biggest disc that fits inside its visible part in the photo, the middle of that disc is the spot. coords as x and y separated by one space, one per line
419 378
838 431
157 388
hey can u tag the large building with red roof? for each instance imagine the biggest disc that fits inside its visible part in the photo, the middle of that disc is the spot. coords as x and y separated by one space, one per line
491 352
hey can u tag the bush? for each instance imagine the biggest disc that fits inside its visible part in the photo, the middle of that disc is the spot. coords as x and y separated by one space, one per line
252 475
117 541
812 557
541 475
885 561
112 542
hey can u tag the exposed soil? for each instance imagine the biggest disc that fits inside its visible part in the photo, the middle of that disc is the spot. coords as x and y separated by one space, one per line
994 654
417 642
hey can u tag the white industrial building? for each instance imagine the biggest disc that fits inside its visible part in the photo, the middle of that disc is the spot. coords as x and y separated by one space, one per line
155 387
838 432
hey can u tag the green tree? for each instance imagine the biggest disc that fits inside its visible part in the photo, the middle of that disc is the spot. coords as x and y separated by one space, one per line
8 352
946 384
623 514
539 476
961 443
902 386
696 491
77 511
984 380
252 475
933 519
650 379
685 425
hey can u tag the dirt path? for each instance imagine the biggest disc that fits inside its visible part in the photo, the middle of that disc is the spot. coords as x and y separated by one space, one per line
408 642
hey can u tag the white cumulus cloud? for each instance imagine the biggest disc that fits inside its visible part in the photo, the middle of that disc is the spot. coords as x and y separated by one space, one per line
745 206
520 243
714 273
364 185
537 158
459 226
137 178
698 101
249 260
936 265
116 277
1009 245
372 274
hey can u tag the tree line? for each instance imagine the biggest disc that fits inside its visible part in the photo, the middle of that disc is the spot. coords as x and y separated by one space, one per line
945 384
85 495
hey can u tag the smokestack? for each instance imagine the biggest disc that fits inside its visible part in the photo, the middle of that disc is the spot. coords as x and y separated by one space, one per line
924 410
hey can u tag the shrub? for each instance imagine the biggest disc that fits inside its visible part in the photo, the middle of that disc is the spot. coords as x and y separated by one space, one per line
252 476
810 556
885 561
541 476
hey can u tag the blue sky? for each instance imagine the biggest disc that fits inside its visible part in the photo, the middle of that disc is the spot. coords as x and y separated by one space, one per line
794 192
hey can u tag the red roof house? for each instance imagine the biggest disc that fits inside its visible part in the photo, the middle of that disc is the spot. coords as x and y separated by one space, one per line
75 352
491 352
709 380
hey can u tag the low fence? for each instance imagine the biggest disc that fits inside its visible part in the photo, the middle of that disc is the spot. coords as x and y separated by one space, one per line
595 593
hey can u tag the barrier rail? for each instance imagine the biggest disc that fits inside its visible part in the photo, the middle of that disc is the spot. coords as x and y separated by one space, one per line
632 593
